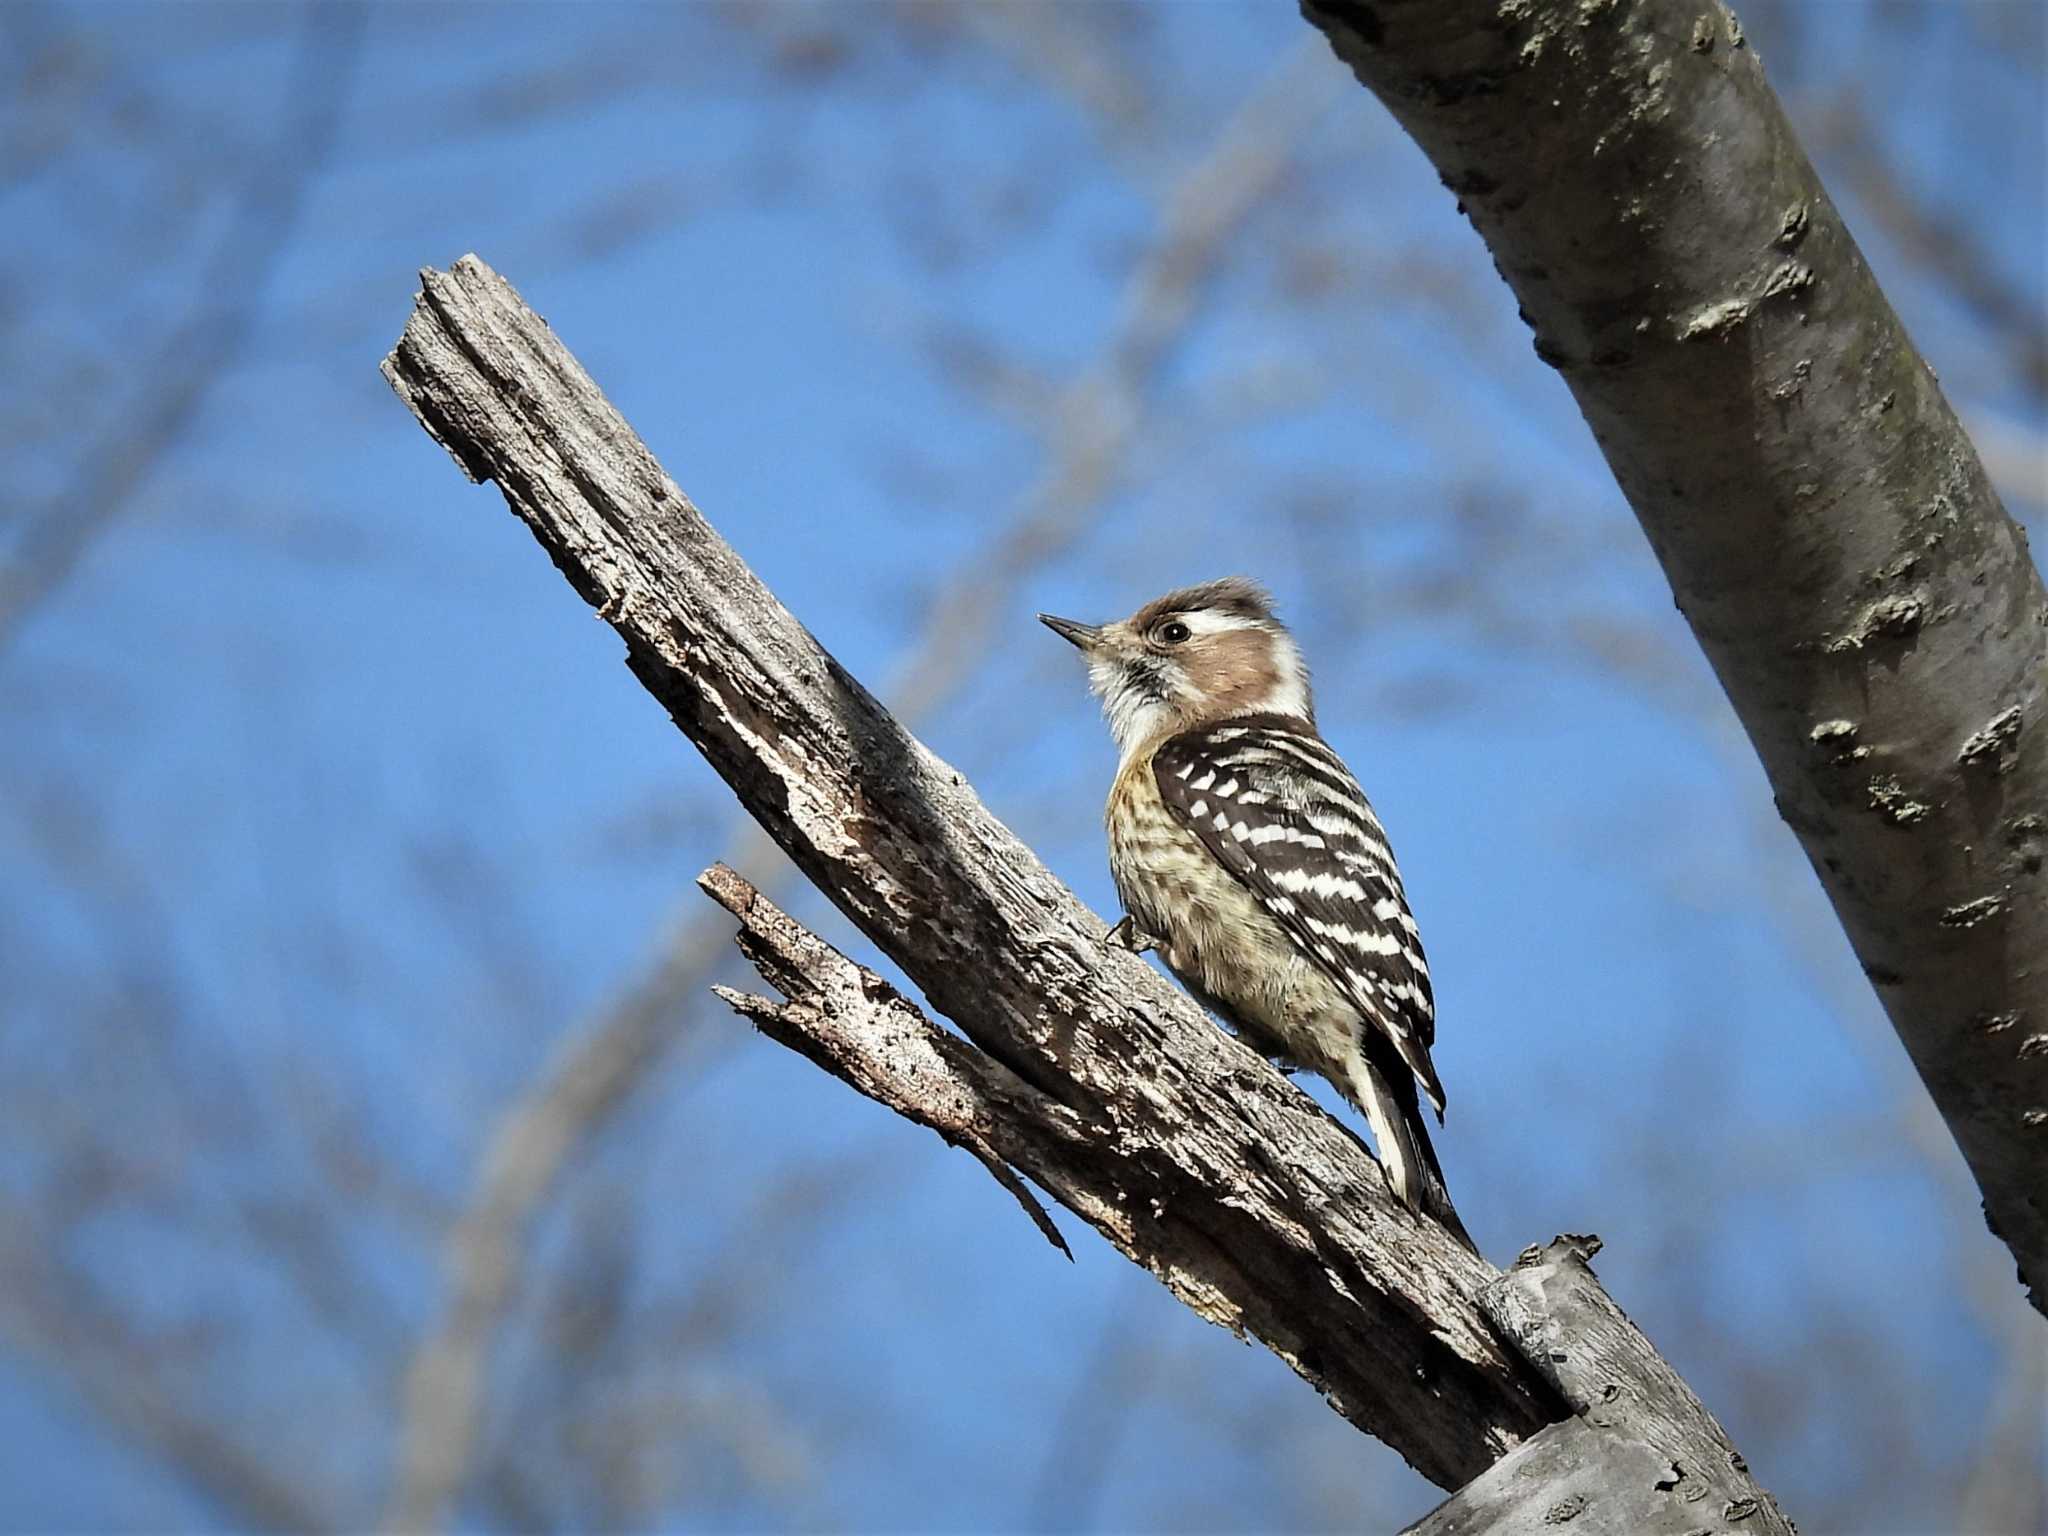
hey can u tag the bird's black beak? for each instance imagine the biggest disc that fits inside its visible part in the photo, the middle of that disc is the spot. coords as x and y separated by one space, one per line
1086 636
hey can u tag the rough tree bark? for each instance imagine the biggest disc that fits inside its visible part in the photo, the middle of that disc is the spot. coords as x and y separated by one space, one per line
1871 611
1082 1067
1643 1455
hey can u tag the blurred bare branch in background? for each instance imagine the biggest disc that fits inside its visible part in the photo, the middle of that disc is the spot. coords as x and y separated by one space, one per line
137 430
50 1317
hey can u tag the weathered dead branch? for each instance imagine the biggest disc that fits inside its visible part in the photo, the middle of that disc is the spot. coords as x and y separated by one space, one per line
1081 1068
1096 420
1246 1199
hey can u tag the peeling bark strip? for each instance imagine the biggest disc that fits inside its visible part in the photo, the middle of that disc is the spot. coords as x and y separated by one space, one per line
1205 1165
1871 611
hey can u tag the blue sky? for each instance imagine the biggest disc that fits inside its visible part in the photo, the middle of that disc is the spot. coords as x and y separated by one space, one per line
327 814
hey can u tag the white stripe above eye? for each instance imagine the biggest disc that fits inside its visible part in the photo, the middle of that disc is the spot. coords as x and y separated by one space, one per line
1208 621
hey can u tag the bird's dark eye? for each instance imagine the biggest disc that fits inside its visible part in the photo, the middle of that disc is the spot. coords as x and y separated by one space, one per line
1174 632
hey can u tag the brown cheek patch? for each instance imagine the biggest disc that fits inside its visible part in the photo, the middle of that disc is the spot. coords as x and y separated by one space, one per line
1234 668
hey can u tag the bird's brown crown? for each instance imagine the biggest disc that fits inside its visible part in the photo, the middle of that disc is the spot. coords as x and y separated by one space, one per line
1236 595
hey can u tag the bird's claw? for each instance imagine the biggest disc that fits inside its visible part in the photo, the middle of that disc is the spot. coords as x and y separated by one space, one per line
1128 935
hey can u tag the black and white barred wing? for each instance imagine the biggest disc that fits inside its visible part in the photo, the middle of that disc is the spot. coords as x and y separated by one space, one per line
1279 810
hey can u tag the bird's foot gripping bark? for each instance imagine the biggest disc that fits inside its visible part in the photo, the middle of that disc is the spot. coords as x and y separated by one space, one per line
1128 935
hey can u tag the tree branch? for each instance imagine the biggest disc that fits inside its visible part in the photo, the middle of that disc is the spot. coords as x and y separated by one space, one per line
1656 1460
1100 414
1082 1068
864 1032
1261 1211
1827 528
1642 1457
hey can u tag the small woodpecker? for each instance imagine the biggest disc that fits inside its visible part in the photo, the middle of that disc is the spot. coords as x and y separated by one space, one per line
1247 855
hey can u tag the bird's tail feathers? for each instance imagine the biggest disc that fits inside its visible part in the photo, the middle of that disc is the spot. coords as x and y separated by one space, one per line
1394 1110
